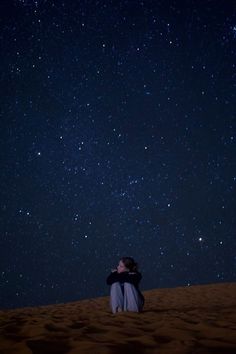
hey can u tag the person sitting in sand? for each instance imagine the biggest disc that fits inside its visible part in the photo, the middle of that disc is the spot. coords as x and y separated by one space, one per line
125 294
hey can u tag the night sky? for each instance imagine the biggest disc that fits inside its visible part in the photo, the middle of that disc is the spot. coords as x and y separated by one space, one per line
117 138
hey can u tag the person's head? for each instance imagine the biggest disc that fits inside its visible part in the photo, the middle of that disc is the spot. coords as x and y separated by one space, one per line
127 264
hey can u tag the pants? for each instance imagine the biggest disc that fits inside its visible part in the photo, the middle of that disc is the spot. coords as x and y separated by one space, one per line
129 301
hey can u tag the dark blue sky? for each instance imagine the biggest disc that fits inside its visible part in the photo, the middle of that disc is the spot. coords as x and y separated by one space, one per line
118 138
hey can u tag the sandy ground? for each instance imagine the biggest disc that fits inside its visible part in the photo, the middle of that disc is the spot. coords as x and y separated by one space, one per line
195 319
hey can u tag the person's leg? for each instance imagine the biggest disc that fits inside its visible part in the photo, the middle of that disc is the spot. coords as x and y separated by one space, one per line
116 297
132 299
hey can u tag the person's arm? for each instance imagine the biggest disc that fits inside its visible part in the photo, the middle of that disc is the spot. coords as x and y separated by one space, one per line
129 277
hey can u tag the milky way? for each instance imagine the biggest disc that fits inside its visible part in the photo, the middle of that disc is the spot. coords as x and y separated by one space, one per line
117 139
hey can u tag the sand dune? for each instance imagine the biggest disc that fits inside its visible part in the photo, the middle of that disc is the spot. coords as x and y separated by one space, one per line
196 319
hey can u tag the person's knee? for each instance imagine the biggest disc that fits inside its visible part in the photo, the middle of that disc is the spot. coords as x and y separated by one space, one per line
116 283
126 284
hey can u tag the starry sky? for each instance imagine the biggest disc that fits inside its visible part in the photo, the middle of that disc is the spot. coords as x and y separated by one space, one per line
118 138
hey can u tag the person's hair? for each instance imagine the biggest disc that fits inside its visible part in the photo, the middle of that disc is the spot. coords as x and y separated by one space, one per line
130 263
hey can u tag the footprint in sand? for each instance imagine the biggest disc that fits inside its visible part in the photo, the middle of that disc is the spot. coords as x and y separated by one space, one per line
55 328
39 346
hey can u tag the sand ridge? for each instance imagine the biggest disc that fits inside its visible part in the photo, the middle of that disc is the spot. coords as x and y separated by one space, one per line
192 319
